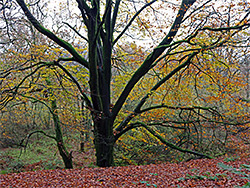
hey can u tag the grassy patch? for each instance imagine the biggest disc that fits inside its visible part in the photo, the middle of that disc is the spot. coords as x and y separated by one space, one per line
42 152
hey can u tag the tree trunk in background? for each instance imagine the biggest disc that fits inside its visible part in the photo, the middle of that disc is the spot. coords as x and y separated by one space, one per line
66 156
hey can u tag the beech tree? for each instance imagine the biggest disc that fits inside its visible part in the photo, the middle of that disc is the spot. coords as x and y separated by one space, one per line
107 24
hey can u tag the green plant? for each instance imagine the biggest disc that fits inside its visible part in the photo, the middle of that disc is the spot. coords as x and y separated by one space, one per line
247 185
42 151
53 164
229 159
16 166
201 177
188 176
3 172
146 183
92 165
238 171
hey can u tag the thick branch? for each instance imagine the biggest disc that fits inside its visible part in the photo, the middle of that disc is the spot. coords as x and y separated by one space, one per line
85 10
237 27
137 110
51 35
115 13
86 99
146 66
173 146
172 73
155 134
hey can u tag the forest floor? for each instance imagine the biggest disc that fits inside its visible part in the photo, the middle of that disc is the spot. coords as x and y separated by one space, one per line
40 166
219 172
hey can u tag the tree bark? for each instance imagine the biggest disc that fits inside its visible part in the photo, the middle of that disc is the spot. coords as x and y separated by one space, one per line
104 142
66 156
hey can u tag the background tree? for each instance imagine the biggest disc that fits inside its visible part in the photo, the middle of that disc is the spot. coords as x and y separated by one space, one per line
35 109
194 31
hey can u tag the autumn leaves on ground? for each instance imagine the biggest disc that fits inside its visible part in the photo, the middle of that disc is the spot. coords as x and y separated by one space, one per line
220 172
224 171
161 89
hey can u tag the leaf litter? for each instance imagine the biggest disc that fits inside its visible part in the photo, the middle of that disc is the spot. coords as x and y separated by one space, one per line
217 172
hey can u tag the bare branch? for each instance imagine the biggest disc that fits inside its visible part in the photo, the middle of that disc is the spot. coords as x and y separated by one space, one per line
131 21
79 34
146 66
51 35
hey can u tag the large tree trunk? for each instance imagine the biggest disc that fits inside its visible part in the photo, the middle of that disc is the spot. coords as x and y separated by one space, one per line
100 49
104 142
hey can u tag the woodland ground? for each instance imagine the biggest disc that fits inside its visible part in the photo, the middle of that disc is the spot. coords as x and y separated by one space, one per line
195 173
36 169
